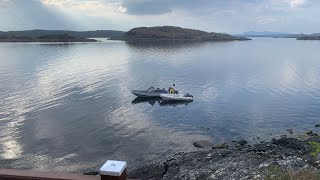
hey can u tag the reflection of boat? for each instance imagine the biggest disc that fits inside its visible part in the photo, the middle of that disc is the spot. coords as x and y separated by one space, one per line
174 103
151 92
176 97
153 100
150 100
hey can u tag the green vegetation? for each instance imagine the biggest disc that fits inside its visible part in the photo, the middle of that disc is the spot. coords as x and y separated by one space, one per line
277 173
315 147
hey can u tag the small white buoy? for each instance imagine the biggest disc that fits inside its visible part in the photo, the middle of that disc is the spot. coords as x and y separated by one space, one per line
113 168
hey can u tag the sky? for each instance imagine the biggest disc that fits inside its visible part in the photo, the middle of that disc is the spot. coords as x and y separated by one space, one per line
229 16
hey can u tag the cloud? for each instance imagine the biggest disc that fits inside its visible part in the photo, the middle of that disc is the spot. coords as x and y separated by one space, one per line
209 15
17 14
266 20
153 7
299 3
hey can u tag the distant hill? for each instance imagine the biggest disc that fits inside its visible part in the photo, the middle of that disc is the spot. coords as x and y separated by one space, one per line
174 33
78 34
315 36
269 34
45 38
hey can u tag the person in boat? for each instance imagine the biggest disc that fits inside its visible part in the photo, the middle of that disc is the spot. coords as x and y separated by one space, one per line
172 90
151 89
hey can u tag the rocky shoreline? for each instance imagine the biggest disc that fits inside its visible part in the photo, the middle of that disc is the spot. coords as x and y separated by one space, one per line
283 158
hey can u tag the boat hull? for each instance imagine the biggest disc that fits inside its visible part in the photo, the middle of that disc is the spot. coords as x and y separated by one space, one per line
146 93
175 97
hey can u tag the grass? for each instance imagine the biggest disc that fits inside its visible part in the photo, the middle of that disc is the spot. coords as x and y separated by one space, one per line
316 148
278 173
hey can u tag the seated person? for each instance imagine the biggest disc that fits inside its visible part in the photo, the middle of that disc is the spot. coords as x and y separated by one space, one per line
172 90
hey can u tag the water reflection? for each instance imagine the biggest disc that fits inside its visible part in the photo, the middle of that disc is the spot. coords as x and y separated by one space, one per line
153 100
174 103
150 100
164 44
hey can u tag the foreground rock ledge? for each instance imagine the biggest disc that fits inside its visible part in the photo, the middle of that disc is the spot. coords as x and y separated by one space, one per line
279 159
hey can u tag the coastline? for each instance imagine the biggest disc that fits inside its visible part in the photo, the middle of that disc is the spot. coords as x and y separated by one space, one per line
47 40
278 159
177 40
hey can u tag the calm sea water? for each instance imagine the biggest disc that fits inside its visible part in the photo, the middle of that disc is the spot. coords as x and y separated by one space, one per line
68 107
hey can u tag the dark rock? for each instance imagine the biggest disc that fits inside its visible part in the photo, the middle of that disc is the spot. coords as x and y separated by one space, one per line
220 146
290 131
314 134
313 139
283 136
290 143
259 161
242 142
317 125
309 132
202 144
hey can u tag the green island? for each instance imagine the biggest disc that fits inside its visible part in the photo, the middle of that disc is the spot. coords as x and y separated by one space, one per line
46 38
56 35
173 33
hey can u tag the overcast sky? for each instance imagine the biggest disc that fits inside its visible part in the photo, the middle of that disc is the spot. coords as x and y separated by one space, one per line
231 16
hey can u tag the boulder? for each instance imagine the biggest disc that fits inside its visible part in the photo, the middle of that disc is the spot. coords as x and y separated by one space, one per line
290 131
283 136
220 146
291 143
309 132
202 144
242 142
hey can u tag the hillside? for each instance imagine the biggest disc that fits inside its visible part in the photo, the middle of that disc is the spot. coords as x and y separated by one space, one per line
315 36
77 34
174 33
44 38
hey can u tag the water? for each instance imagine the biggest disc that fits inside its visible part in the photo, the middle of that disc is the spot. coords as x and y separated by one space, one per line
68 107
